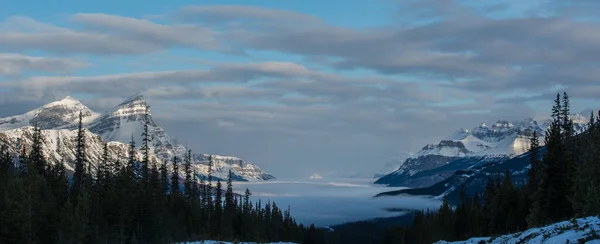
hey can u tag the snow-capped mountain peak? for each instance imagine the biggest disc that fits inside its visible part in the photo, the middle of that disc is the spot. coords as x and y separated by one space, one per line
504 139
56 114
120 124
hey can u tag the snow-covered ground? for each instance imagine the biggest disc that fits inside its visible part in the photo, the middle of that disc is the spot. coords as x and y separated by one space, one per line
584 230
327 202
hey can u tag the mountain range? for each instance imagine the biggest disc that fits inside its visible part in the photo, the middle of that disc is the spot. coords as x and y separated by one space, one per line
470 148
58 121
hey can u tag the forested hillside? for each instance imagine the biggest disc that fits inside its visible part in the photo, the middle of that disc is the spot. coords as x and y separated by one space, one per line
560 186
128 201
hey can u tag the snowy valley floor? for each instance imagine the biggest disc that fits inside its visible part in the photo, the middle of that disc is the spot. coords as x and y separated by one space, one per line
327 202
583 230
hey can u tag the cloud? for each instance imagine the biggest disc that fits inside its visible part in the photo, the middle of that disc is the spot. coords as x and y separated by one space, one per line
101 34
447 40
140 29
349 94
16 64
226 13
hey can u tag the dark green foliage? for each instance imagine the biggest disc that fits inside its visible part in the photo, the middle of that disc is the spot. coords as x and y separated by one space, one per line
552 199
564 184
118 205
187 185
80 161
145 149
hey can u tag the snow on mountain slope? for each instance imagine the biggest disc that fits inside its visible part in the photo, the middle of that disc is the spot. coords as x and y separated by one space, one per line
582 230
392 165
503 139
124 123
52 115
59 146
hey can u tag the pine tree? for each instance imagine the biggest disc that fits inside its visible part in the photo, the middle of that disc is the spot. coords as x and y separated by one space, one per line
217 219
489 198
132 169
209 191
535 169
175 177
229 204
557 110
80 161
164 178
565 116
36 156
551 201
247 204
145 148
188 176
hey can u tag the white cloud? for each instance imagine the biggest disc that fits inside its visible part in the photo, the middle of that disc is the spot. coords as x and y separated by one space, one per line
12 64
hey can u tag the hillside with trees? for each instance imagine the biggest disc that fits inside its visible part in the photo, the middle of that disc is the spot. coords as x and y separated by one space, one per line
128 201
560 186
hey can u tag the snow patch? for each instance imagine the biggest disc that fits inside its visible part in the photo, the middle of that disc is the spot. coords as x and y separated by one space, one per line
582 230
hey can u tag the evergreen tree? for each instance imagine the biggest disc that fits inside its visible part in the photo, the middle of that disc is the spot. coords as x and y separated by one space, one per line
132 170
534 172
229 204
175 177
217 217
36 156
164 178
187 165
145 148
80 161
247 204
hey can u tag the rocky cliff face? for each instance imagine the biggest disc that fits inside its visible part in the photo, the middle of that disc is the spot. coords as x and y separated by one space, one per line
466 148
124 123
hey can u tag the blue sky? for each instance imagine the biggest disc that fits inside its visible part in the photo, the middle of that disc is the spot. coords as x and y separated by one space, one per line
305 86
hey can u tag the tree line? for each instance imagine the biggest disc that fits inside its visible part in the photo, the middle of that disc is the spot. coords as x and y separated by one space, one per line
563 183
129 201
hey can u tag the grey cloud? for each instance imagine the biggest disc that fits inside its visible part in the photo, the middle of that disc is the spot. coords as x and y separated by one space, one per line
102 34
220 13
147 31
458 43
16 64
126 83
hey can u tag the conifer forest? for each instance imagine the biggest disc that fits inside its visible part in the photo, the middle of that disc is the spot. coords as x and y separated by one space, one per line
128 201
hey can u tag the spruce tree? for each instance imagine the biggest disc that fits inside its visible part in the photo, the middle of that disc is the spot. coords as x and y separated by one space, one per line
535 169
247 204
36 156
132 170
145 148
187 187
217 217
175 177
164 178
229 202
80 161
209 190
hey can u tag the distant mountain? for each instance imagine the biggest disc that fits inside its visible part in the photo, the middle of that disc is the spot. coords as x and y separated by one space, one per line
51 116
118 126
474 178
465 148
392 165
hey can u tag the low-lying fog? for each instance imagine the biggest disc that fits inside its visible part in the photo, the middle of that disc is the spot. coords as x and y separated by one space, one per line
326 202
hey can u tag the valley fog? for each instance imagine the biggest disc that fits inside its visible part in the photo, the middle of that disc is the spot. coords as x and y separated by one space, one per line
327 202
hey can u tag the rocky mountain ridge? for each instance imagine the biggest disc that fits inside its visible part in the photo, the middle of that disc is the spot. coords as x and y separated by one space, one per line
466 148
119 126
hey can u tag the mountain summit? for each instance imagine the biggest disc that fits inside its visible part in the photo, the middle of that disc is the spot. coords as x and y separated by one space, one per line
120 124
53 115
468 148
